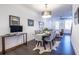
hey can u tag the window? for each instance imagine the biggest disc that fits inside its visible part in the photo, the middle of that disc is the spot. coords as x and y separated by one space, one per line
57 25
68 24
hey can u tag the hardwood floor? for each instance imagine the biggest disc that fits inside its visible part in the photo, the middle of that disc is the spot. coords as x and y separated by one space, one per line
64 48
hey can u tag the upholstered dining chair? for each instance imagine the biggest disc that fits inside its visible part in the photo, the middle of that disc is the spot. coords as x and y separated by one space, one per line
38 39
50 39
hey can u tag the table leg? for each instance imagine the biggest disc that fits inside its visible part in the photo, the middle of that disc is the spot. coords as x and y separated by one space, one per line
44 43
24 39
3 45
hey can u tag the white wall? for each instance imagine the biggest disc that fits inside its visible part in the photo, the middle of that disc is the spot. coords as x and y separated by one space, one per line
24 13
75 33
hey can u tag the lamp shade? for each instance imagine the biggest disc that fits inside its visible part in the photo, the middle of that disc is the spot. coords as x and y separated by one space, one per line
46 14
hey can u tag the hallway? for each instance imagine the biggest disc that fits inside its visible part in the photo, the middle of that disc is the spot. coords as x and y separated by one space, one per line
65 47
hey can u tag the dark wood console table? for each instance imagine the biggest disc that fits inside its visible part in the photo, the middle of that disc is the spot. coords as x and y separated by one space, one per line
11 35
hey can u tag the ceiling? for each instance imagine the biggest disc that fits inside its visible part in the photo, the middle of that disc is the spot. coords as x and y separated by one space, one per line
64 10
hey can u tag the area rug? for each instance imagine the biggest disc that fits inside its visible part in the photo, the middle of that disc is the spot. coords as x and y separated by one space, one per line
56 45
42 50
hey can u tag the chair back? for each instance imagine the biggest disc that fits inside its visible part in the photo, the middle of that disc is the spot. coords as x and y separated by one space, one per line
38 37
53 34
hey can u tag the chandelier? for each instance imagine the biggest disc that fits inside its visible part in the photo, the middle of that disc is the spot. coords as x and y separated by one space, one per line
46 13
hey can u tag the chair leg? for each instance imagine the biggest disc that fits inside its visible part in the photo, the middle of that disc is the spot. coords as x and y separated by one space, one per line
39 43
44 45
50 44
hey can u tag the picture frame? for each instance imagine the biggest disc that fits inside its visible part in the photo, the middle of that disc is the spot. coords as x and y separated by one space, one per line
14 20
41 24
30 22
76 16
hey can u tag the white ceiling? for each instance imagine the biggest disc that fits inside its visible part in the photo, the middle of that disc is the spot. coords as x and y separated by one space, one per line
64 10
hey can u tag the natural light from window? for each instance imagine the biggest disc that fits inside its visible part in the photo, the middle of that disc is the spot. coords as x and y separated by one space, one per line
68 24
57 25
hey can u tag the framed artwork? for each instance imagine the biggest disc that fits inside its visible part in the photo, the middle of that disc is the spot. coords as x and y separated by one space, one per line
14 20
41 25
30 22
76 16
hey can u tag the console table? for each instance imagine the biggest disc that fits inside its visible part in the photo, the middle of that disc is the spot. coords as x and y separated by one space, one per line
11 35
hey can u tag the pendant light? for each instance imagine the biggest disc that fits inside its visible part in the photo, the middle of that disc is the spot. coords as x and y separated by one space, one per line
46 13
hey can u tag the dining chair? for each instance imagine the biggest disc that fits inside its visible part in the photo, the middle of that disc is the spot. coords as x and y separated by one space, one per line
38 39
50 39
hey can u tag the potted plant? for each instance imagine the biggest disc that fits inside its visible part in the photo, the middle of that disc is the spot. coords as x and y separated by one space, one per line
45 29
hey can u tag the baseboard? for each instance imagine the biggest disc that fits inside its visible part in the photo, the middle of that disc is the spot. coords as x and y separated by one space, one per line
74 48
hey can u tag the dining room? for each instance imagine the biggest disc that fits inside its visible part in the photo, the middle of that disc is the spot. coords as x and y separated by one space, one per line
34 29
